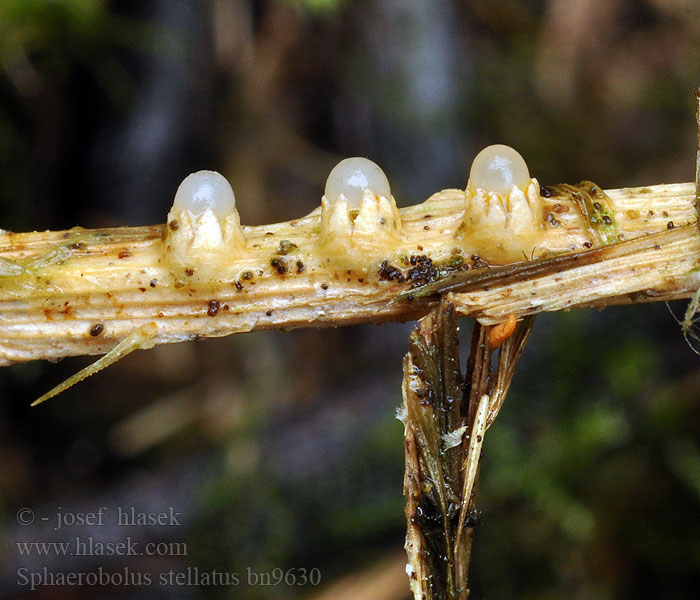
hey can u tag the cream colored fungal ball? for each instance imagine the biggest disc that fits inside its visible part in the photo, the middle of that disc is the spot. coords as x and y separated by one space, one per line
497 169
351 176
202 190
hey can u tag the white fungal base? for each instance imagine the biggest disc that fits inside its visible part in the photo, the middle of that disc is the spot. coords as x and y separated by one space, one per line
503 208
203 231
505 220
358 213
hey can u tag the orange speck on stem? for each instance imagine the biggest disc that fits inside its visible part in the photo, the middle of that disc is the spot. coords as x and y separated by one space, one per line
501 332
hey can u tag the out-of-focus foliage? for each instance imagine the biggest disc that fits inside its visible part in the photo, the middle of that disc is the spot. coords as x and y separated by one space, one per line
588 466
67 27
320 7
40 43
281 450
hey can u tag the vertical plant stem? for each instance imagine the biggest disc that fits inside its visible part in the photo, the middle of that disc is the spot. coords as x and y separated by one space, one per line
696 92
446 415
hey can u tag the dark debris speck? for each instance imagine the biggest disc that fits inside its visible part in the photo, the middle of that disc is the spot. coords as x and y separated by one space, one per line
213 308
279 266
97 329
422 270
546 192
389 272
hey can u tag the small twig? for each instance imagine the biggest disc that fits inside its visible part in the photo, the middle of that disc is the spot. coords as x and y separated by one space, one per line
472 461
445 416
58 288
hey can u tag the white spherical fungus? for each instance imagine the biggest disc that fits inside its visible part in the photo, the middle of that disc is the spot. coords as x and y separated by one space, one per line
351 176
497 169
202 190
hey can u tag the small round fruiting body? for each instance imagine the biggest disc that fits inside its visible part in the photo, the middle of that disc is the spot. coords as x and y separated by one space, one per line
498 169
351 177
203 231
205 190
503 217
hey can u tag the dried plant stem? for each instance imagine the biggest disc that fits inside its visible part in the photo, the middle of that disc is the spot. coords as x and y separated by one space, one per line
696 93
445 419
83 291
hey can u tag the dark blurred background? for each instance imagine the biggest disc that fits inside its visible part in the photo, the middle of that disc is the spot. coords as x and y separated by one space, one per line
281 450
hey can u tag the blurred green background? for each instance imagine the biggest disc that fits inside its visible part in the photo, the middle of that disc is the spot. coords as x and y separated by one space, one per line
281 450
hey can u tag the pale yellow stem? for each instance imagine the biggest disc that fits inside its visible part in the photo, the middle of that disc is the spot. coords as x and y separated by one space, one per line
83 291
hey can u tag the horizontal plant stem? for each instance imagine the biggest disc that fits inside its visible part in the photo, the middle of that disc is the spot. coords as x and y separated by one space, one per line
656 267
82 291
